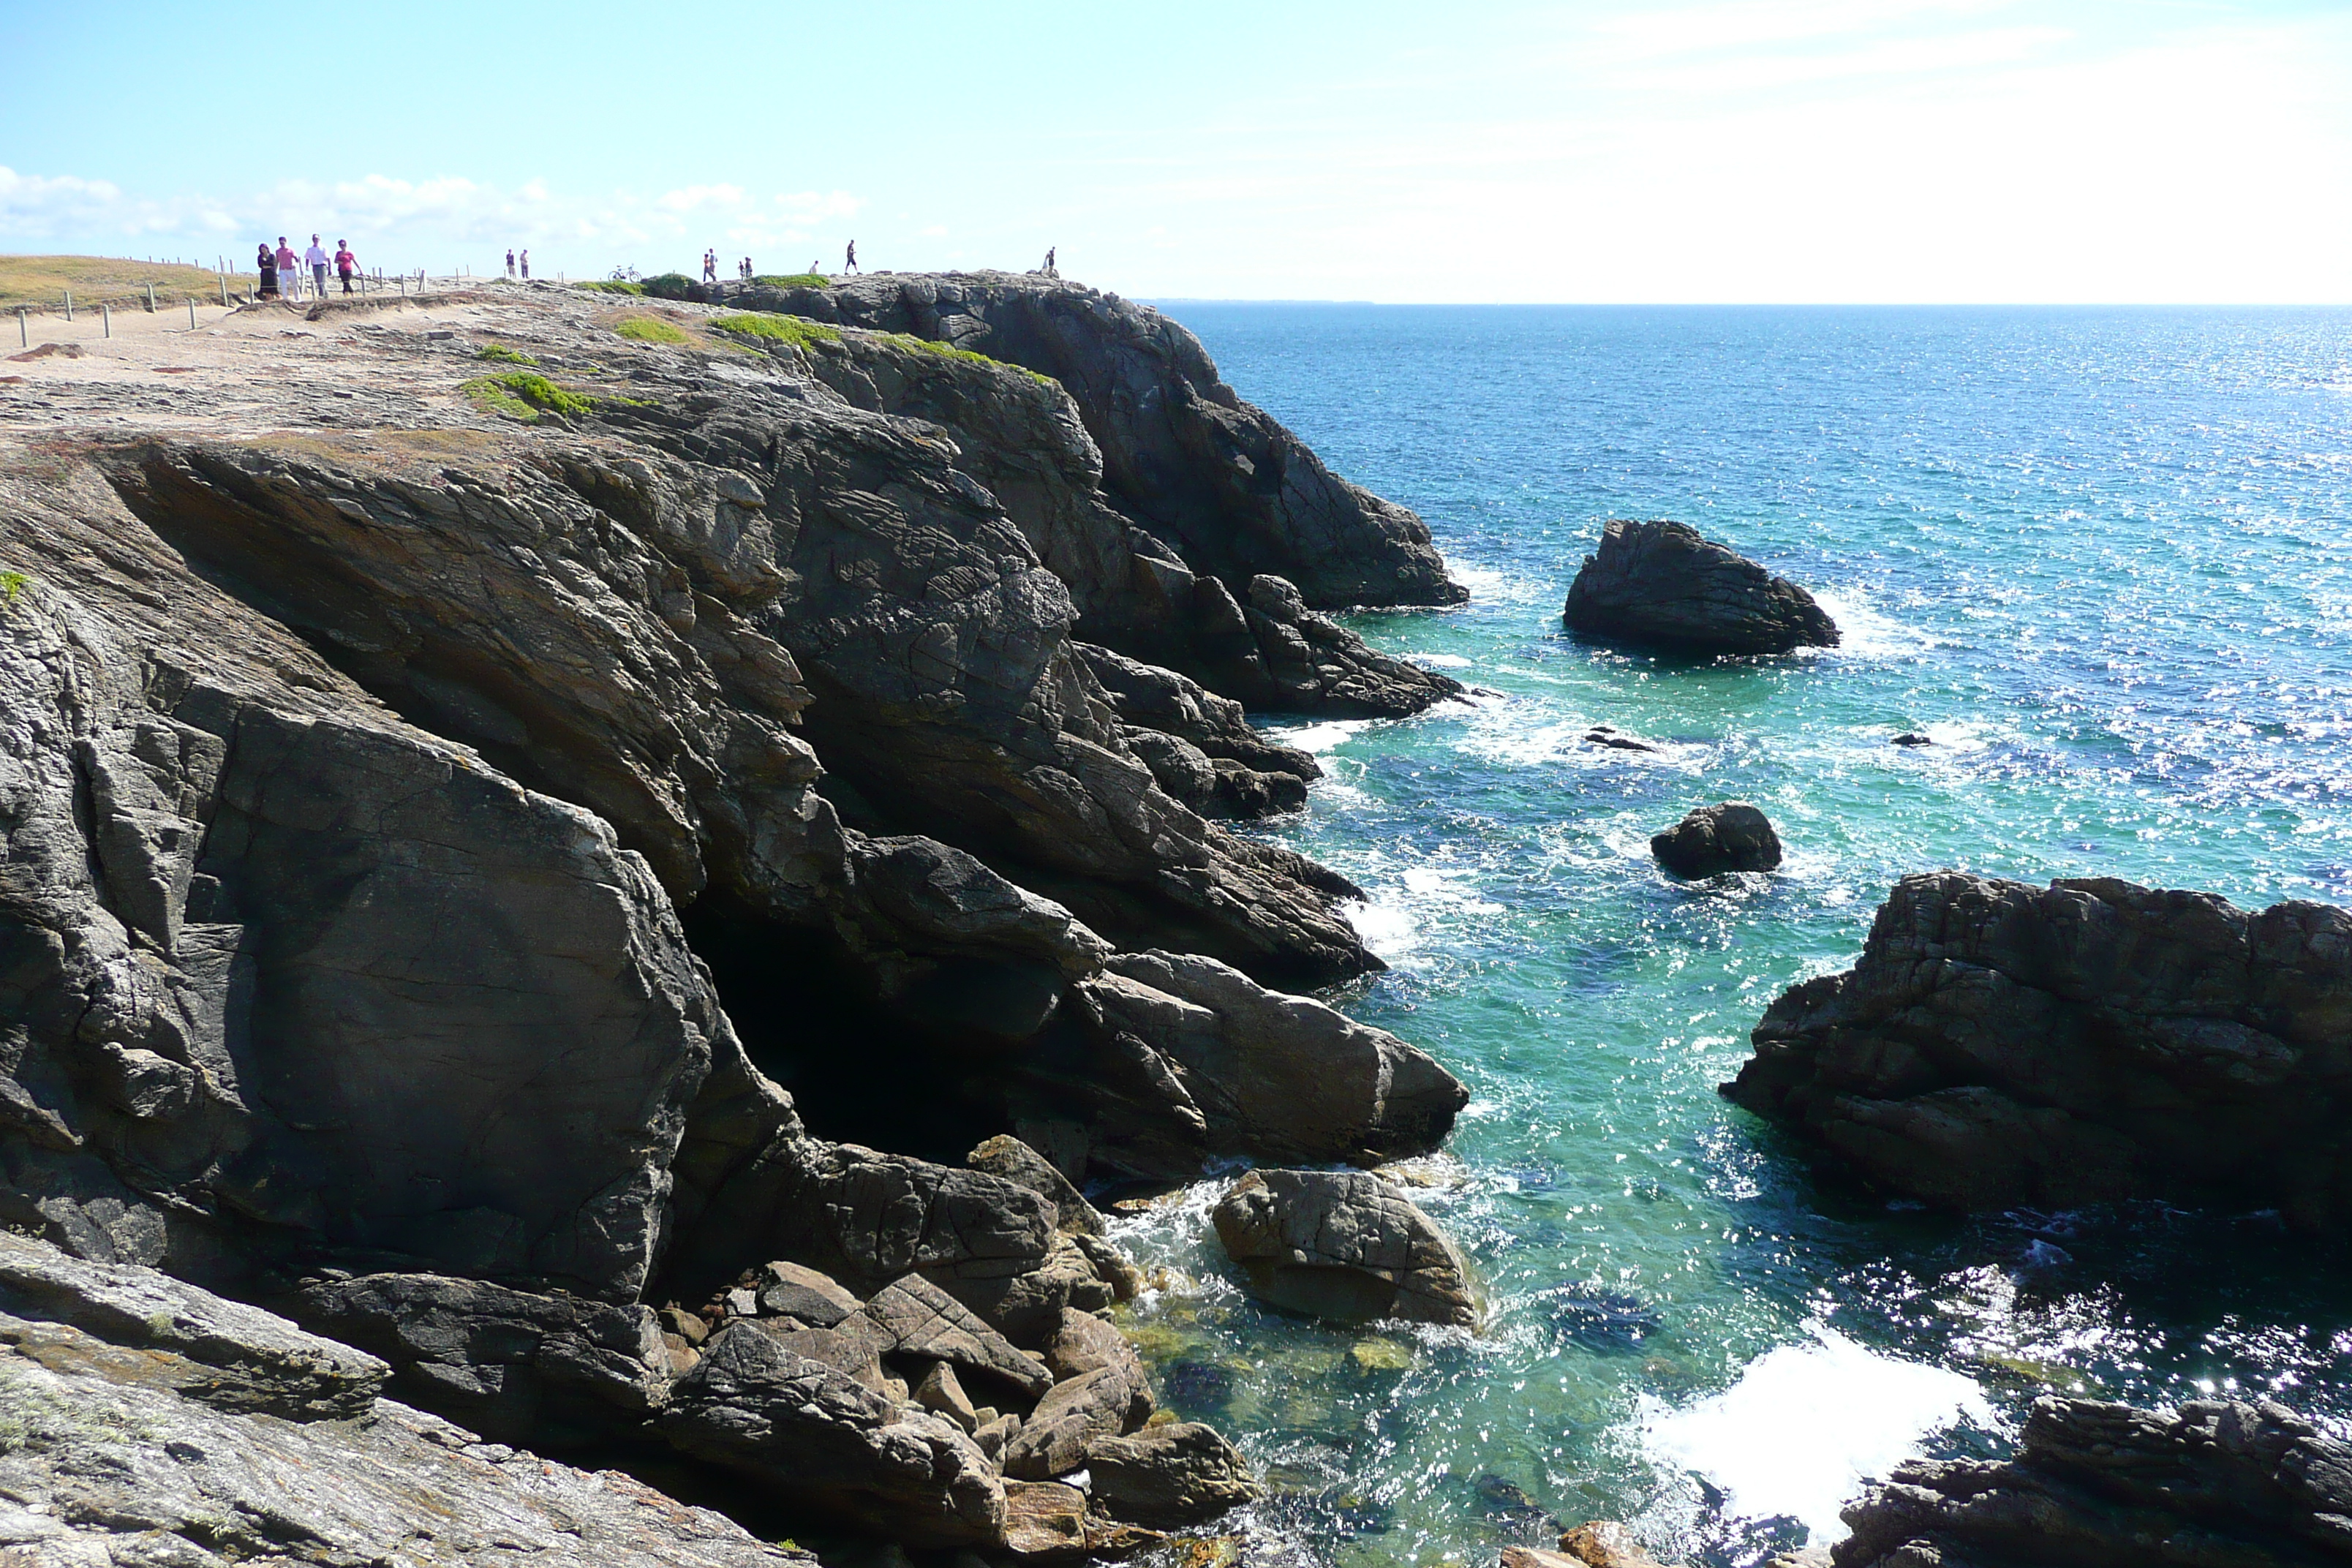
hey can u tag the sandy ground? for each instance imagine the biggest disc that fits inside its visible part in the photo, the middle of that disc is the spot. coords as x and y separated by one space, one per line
367 362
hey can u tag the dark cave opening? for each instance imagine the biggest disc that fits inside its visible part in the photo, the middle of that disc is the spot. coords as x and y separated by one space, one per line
860 1070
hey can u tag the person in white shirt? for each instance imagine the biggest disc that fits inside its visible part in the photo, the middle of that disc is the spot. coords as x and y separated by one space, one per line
316 258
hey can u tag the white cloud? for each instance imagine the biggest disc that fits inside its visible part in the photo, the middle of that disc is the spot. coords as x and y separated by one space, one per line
404 222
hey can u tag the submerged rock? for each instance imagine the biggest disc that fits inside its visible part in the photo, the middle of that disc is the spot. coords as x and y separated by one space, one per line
2250 1485
1344 1246
2000 1044
1665 585
1714 840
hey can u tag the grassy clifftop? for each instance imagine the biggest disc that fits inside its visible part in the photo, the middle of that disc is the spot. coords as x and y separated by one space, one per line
42 281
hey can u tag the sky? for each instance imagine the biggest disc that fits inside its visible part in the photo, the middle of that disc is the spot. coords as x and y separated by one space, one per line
1732 151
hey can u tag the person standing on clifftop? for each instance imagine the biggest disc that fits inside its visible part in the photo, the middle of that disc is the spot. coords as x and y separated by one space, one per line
316 259
526 266
1048 267
345 263
290 281
510 263
265 262
850 264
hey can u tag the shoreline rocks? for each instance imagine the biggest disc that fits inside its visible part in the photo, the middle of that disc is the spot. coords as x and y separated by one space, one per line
2247 1484
1714 840
1343 1246
2000 1043
1664 584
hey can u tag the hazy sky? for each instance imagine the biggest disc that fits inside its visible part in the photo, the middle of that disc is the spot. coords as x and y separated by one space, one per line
1798 150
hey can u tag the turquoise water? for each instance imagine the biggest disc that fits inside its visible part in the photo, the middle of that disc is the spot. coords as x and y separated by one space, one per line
2103 558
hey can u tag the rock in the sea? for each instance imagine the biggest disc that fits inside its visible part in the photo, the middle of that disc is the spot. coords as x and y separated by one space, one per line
1664 584
1605 1543
151 1424
1913 737
1263 1072
1731 835
1168 1476
2248 1484
1103 1391
2000 1043
1342 1245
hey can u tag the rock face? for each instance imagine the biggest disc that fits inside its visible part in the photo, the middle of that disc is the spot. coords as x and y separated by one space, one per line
1663 585
1345 1246
152 1423
2000 1043
1712 839
2093 1484
1235 492
380 798
1168 1477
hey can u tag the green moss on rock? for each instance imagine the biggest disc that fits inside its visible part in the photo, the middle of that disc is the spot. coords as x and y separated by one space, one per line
789 330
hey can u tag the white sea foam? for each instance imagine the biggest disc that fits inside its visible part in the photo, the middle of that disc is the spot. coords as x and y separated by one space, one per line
1440 660
1864 631
1323 737
1489 587
1386 926
1807 1423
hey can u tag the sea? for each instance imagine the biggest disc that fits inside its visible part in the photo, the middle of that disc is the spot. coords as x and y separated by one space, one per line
2103 558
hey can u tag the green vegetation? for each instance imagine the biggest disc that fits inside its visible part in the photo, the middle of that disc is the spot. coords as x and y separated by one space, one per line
650 330
526 395
11 584
797 281
41 282
790 330
613 286
498 353
669 286
943 351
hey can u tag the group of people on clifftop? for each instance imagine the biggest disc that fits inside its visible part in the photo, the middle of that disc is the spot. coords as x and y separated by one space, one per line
281 270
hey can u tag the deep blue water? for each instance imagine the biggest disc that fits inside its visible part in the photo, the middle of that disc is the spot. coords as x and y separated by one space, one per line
2104 559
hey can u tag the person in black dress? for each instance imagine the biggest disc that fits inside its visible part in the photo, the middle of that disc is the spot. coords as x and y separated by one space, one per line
265 261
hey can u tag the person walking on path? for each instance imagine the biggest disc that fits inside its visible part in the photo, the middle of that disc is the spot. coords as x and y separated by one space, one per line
510 263
850 265
316 259
289 281
265 262
345 263
526 266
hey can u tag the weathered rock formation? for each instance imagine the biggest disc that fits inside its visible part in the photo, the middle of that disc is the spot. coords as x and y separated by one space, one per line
149 1422
1661 584
2246 1485
1731 835
1236 493
2000 1044
352 783
1345 1246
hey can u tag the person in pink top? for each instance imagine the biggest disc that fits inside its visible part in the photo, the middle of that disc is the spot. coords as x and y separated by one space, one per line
345 263
289 270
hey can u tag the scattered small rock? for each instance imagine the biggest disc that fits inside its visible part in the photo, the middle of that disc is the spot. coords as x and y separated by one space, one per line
1342 1245
1730 837
1615 739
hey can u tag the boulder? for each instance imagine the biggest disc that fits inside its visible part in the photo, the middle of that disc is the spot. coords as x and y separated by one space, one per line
1266 1075
150 1423
919 1320
2000 1044
1168 1476
940 1394
514 1366
1006 1156
1344 1246
816 1299
1045 1521
1663 585
1103 1391
814 1437
2247 1484
1605 1543
1714 840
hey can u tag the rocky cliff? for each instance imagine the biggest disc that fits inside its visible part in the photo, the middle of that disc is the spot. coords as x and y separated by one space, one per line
448 809
2000 1043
